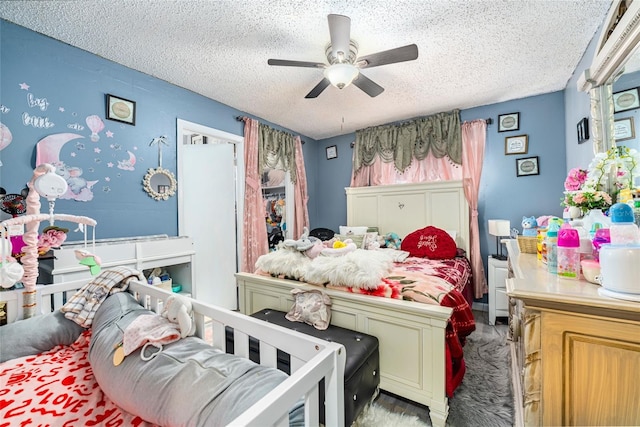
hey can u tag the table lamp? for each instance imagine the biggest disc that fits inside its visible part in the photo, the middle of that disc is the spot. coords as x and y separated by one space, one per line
499 228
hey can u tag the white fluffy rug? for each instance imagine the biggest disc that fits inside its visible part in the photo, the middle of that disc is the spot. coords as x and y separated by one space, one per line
377 416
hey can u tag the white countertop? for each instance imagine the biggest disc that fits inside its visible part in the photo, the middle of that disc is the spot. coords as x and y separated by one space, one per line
537 287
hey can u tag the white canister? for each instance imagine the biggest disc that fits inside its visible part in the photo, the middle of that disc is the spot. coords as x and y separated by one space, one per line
620 268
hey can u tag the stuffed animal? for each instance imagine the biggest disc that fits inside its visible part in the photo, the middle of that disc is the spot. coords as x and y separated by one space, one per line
392 240
304 243
178 309
340 248
529 226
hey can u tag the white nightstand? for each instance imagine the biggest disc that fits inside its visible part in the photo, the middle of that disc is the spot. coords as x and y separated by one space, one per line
498 299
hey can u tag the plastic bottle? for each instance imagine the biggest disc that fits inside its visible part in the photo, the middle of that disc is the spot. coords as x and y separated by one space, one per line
568 253
636 212
623 229
552 249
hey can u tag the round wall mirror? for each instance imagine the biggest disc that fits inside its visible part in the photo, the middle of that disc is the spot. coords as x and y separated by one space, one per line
159 183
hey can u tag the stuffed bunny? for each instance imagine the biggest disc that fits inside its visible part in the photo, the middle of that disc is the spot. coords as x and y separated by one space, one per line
178 310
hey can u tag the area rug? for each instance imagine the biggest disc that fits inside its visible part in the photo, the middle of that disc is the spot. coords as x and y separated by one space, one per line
377 416
485 397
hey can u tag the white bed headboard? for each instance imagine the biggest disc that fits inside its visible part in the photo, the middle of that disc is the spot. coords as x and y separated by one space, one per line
403 208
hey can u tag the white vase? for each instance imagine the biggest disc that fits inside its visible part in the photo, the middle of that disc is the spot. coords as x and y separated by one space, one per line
596 216
574 212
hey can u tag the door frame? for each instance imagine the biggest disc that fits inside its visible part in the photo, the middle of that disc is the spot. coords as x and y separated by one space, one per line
184 129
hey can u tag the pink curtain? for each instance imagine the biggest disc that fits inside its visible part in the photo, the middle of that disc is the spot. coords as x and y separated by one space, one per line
427 170
254 232
300 195
473 142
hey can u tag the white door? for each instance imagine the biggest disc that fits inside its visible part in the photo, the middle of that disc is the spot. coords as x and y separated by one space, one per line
207 206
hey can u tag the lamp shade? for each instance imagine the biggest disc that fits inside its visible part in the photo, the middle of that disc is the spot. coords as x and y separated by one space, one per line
499 227
341 75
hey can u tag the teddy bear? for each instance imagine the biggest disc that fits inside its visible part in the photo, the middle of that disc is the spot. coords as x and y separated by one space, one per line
178 309
529 226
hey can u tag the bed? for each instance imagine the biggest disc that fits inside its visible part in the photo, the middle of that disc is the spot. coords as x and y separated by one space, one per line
412 335
66 384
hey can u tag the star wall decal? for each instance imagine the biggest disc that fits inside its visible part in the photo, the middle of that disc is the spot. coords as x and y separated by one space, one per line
24 86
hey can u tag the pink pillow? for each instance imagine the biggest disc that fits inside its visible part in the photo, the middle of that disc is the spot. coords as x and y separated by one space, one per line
430 242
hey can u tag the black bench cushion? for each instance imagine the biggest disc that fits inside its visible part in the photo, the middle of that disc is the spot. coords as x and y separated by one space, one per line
361 373
359 346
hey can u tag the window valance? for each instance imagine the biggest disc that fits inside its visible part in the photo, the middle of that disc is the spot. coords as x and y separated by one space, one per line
276 150
439 133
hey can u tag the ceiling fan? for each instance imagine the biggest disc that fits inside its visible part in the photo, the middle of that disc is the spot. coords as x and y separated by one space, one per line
345 65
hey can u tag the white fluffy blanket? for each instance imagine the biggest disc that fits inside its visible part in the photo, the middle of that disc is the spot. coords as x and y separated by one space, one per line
284 262
359 269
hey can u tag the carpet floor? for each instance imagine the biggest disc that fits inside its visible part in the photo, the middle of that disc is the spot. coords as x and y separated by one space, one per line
485 397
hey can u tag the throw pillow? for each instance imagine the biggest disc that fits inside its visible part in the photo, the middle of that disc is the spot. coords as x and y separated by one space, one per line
311 307
430 242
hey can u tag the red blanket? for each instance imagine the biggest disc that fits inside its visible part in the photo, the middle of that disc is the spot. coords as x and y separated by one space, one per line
57 388
438 282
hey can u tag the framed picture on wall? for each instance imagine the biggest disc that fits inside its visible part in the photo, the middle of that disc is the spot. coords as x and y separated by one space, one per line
516 144
527 166
583 130
508 122
121 110
332 152
623 129
626 100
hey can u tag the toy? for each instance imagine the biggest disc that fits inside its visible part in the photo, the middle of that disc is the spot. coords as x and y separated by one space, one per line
302 244
340 248
178 310
392 240
529 226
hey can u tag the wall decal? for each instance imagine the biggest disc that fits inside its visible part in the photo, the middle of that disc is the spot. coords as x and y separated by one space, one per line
24 86
129 163
75 126
36 122
5 136
96 125
41 103
4 109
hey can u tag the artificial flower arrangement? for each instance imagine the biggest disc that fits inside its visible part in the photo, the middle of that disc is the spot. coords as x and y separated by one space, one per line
598 186
51 237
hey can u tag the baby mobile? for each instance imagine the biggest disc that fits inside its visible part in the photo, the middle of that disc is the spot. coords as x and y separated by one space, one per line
46 183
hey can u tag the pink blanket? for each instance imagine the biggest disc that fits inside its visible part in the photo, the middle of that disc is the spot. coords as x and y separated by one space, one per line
57 388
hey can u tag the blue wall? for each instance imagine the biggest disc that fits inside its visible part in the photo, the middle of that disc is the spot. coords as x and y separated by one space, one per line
502 194
78 81
49 87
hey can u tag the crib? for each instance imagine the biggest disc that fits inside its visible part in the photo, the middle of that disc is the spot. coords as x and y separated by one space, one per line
312 359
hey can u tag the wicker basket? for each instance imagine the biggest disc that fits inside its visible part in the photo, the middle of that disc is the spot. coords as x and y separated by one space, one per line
527 244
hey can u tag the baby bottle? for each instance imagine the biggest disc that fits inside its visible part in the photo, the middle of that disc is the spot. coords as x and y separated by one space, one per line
568 253
623 230
552 248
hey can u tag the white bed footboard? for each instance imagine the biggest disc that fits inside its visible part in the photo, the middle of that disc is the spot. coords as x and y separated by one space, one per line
411 335
312 359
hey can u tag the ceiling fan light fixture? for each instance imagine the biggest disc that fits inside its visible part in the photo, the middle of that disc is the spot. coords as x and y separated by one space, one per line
341 75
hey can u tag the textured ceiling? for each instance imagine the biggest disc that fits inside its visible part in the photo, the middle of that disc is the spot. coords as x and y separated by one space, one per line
471 52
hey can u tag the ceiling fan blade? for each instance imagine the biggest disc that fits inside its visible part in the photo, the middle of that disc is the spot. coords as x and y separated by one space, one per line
319 88
391 56
340 32
368 86
287 63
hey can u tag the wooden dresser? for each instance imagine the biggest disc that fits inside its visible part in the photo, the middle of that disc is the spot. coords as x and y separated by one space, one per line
577 354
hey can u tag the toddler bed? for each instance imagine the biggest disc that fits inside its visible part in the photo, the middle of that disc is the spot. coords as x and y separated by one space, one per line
60 373
418 328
